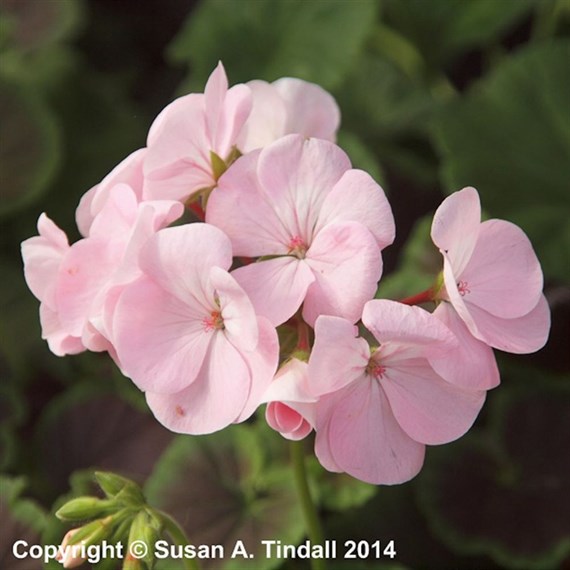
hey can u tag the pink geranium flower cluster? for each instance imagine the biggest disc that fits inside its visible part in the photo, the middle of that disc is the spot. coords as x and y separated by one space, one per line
288 239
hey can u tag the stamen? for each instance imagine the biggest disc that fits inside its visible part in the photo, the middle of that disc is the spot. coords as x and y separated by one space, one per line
213 322
375 369
463 288
297 247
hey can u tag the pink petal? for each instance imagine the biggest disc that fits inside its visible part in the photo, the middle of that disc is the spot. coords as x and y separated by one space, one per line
522 335
177 163
338 356
455 226
266 122
42 256
324 409
236 110
214 400
311 111
429 409
214 95
60 342
346 263
287 421
84 273
297 174
356 197
390 321
367 442
240 322
161 341
262 363
276 287
503 275
179 259
246 213
472 364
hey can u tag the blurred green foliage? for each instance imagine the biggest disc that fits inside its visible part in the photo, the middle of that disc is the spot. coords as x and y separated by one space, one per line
435 95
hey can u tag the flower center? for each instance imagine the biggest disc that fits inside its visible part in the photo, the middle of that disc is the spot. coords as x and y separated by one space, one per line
375 369
297 247
213 322
463 288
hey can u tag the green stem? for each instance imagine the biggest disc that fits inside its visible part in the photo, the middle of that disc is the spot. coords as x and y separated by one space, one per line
179 538
312 522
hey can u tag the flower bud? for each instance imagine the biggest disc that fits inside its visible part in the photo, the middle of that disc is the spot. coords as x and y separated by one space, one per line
85 508
121 489
67 560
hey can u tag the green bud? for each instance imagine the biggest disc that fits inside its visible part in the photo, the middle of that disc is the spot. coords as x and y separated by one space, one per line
85 508
93 532
111 483
142 530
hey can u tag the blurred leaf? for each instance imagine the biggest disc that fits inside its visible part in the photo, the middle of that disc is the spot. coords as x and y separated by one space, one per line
12 412
522 474
30 149
85 428
419 266
379 100
20 519
510 138
360 155
446 28
268 39
339 491
221 489
33 24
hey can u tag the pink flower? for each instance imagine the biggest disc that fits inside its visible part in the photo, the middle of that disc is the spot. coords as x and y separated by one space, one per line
321 223
290 408
42 257
186 133
379 407
129 171
288 106
492 276
187 334
108 258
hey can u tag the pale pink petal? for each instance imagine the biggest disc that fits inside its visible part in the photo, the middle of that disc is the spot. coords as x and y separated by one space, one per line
262 363
240 322
214 95
129 171
289 422
60 342
455 227
324 410
290 384
390 321
266 122
346 262
177 163
297 174
429 409
356 197
161 341
245 212
214 400
503 275
276 287
236 110
179 259
472 365
338 356
522 335
311 111
42 256
117 216
367 442
83 274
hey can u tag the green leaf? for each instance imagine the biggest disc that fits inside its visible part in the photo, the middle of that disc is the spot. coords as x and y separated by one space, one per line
522 474
360 155
510 138
222 489
268 39
30 149
449 27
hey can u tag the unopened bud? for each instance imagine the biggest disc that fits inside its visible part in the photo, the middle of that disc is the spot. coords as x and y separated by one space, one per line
66 554
85 508
121 489
93 533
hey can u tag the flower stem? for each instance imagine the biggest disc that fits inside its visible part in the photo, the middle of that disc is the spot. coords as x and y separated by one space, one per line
423 297
179 538
312 522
